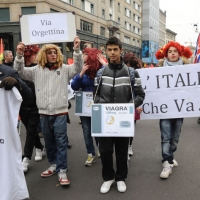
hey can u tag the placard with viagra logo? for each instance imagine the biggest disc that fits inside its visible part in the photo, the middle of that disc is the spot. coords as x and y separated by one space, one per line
83 103
113 120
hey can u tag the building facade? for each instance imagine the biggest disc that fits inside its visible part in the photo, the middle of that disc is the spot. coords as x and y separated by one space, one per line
170 36
96 21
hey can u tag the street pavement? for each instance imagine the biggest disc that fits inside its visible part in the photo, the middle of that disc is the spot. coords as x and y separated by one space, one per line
143 182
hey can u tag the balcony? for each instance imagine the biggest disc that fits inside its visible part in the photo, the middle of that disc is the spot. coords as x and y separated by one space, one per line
112 25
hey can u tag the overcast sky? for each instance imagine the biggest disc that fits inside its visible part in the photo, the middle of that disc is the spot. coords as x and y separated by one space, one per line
181 15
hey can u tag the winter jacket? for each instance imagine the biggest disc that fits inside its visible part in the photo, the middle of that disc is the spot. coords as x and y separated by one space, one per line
24 90
116 84
85 83
50 85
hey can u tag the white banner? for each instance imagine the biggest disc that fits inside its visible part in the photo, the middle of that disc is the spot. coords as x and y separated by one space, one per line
12 185
83 103
171 92
48 28
113 120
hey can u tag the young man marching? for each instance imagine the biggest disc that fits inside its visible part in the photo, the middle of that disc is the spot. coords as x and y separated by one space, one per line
115 84
51 79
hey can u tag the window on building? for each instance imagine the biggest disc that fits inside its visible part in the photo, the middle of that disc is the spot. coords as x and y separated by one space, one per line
136 18
127 25
118 7
118 20
68 1
127 39
102 31
139 8
110 33
86 26
103 14
138 43
139 20
52 10
127 12
135 5
128 1
118 35
4 15
134 42
28 10
87 6
110 16
92 8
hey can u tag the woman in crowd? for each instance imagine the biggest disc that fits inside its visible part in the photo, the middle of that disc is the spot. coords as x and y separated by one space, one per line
85 81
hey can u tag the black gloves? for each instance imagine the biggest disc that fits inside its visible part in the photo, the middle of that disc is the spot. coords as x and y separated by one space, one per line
8 83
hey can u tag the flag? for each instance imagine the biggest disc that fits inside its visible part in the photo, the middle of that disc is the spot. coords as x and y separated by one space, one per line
197 52
1 49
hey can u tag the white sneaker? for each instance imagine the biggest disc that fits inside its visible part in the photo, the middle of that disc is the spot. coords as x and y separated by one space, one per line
25 164
62 177
50 171
39 154
175 163
90 160
130 150
121 186
106 186
167 170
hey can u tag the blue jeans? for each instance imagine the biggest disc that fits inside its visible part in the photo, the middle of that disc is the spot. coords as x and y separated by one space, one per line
170 133
86 126
54 132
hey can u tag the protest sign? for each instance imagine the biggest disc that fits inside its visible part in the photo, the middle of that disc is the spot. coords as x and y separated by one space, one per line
48 28
171 92
83 103
113 120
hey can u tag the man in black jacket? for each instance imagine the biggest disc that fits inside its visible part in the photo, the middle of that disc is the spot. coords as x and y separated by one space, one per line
30 115
10 78
8 58
116 83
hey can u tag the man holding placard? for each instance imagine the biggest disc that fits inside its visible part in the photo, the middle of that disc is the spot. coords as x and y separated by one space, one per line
51 79
116 84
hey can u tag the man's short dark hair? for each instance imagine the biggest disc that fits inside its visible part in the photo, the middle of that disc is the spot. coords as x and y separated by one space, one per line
114 41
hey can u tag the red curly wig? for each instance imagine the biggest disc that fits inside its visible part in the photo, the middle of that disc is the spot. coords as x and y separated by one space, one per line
92 61
30 50
182 50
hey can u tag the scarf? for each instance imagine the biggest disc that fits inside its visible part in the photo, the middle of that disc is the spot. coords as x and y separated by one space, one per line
168 63
51 66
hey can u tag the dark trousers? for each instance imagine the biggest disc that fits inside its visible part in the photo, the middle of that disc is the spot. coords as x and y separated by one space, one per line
106 151
30 119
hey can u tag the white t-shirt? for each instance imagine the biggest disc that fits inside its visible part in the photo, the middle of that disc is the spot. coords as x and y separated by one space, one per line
12 181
